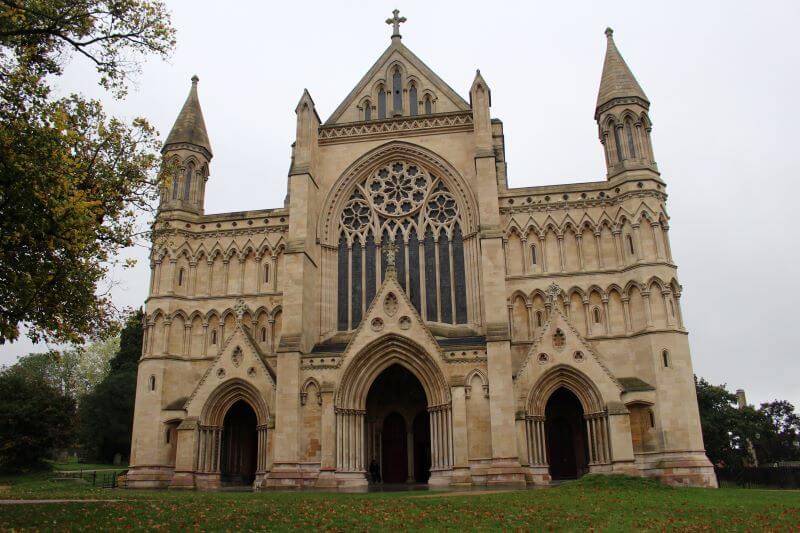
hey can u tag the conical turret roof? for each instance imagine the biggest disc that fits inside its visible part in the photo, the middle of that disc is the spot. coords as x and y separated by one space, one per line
189 127
617 80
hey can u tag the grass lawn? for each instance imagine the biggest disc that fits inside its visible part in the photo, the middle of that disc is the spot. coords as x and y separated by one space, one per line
599 502
74 465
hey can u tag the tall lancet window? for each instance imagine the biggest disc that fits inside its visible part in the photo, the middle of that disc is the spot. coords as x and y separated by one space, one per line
412 100
381 102
402 202
618 143
397 91
629 132
187 182
367 110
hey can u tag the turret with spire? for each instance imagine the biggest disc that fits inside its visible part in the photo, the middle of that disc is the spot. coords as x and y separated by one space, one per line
621 116
186 156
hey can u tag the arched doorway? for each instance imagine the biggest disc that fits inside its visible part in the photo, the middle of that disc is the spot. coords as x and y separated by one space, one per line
394 457
239 458
567 450
397 403
422 447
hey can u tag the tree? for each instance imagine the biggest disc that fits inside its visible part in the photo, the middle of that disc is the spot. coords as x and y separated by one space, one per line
36 419
74 371
779 440
737 436
72 180
106 413
720 422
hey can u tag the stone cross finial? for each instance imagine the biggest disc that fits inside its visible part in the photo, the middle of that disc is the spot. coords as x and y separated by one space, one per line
240 308
391 254
553 292
395 21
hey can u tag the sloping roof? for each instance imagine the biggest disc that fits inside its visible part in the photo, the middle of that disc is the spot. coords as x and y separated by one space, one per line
189 127
631 384
617 80
409 56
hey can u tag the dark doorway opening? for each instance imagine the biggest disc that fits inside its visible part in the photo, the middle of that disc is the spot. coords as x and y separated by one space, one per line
395 453
239 445
565 429
422 447
399 440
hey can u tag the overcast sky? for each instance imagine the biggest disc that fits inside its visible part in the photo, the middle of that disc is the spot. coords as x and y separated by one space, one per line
722 78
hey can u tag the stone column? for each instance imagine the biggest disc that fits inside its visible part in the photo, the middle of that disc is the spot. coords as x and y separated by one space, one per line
410 456
328 437
606 316
461 474
560 238
598 243
638 237
579 240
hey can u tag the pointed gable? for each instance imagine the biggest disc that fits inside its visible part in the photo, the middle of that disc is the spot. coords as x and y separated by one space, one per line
391 313
560 345
412 69
239 358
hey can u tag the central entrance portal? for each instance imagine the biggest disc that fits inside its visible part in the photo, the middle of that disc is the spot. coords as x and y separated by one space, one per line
566 436
398 427
239 445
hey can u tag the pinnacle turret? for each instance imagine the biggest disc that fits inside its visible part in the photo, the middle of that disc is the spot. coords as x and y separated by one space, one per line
617 80
189 127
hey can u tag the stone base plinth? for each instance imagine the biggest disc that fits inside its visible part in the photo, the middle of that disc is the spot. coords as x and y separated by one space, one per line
505 472
440 478
460 477
326 479
355 481
290 476
537 475
149 477
693 470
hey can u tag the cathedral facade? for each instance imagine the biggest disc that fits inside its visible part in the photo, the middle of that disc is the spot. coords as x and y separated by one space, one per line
406 316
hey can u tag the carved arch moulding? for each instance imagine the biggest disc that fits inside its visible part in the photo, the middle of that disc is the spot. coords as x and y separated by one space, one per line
371 162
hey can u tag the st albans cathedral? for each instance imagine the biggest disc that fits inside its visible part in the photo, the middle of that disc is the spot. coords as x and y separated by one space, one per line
407 317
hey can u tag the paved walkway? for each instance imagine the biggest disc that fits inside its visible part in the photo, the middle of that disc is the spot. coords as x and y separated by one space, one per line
29 502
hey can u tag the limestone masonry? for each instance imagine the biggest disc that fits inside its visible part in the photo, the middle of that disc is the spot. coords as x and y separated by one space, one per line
406 316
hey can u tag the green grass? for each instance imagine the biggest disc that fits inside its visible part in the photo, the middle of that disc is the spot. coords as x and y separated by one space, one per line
609 503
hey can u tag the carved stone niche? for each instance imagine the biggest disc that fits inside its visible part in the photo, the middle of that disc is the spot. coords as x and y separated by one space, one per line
377 324
390 304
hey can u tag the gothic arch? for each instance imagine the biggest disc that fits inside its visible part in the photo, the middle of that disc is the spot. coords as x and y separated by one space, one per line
571 379
327 228
227 394
382 353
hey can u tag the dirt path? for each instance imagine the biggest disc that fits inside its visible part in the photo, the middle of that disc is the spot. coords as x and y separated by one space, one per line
34 502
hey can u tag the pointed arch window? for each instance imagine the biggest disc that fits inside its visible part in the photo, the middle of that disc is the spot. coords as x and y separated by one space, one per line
402 203
213 336
596 315
533 254
187 181
629 133
263 334
175 186
413 105
397 91
266 273
665 358
629 239
152 383
428 105
539 320
618 142
367 110
180 277
381 102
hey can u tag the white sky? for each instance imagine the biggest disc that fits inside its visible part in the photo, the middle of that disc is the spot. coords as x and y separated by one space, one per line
722 78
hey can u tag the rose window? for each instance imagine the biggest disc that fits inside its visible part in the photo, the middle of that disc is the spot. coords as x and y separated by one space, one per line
398 189
356 215
441 208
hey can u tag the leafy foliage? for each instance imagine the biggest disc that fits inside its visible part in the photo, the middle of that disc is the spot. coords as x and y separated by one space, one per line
72 180
106 413
36 418
736 436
